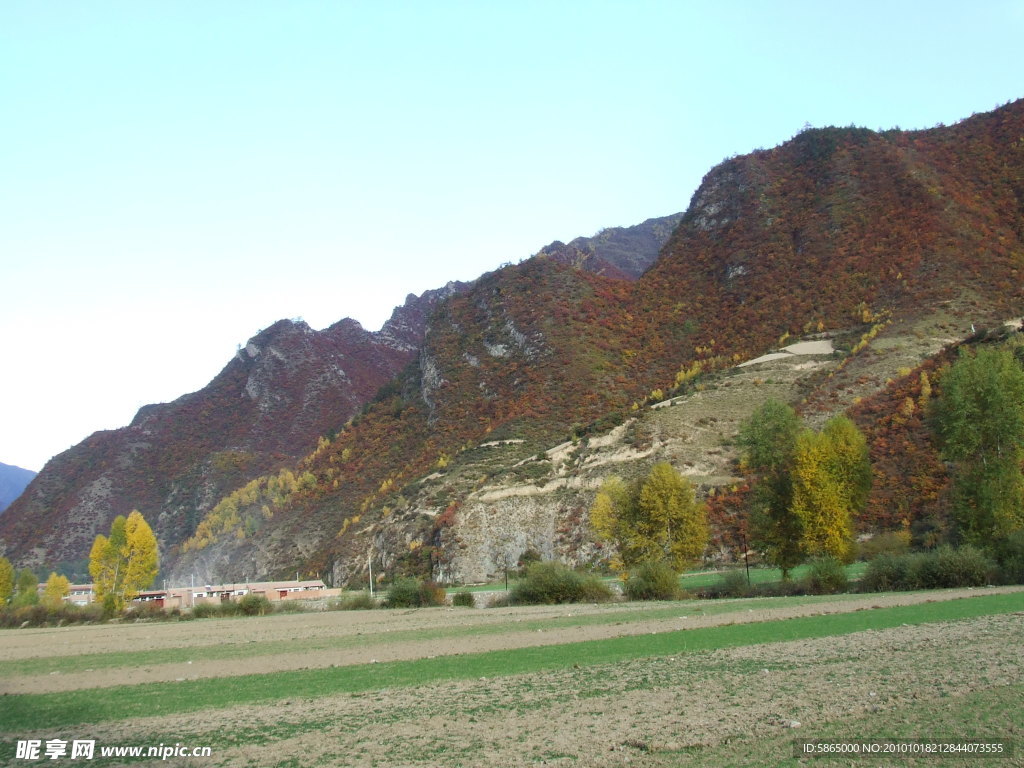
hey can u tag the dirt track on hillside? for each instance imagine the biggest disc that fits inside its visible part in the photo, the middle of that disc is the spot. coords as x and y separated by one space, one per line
375 645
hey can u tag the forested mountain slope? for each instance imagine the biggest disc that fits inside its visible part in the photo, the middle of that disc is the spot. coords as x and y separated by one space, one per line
836 231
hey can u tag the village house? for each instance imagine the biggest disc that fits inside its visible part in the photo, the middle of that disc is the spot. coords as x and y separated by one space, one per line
187 597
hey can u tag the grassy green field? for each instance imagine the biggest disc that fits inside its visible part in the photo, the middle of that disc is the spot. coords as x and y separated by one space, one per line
693 580
993 714
60 709
81 662
712 695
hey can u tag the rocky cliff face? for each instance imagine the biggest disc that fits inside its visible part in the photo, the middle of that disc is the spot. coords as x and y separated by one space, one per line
623 253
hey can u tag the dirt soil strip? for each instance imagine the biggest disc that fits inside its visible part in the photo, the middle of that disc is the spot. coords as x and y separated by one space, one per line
656 712
378 649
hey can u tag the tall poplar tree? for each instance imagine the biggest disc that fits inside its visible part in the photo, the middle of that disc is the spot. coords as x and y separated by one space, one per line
26 588
124 563
56 589
980 421
768 441
142 560
673 523
6 580
831 481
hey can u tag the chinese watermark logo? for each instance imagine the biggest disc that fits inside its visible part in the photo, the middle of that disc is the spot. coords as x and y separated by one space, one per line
33 749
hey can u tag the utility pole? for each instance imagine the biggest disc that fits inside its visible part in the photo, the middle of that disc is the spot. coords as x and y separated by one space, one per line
746 560
369 565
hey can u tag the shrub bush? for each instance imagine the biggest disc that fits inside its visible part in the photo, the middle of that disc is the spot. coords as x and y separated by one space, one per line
13 616
1010 555
593 590
885 573
887 543
464 599
733 583
225 608
290 606
552 582
431 593
254 605
361 601
403 593
205 610
652 581
408 592
964 567
504 600
826 576
942 568
787 588
148 610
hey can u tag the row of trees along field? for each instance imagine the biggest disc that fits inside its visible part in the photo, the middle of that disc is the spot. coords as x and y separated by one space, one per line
21 588
121 566
809 487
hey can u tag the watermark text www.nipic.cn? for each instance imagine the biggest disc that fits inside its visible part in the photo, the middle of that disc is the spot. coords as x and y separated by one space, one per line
86 749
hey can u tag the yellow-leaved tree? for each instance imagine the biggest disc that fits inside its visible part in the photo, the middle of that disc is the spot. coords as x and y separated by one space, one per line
831 480
6 580
610 520
56 589
124 563
657 519
673 521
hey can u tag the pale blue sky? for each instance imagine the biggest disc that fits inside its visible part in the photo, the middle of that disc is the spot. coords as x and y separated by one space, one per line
176 176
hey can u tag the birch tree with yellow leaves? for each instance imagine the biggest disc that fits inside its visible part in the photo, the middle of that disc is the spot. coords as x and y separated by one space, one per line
657 519
831 481
124 563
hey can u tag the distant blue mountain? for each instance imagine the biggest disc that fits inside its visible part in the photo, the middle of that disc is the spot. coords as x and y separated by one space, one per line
13 480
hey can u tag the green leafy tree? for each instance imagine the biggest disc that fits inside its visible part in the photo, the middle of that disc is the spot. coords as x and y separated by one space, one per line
57 588
6 580
809 488
124 563
980 421
27 588
768 437
656 520
768 442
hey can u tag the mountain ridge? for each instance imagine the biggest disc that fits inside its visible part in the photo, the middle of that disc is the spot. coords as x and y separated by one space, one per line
175 460
842 231
13 481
